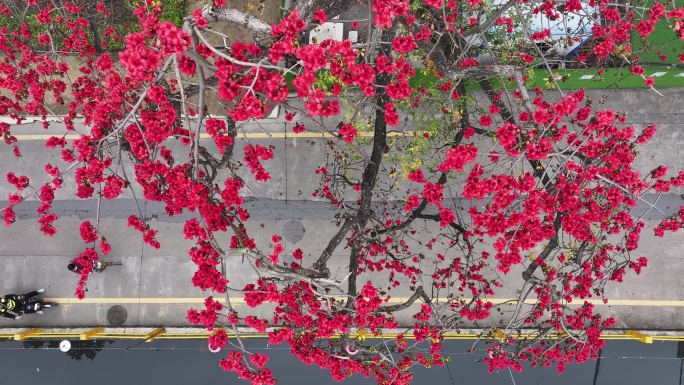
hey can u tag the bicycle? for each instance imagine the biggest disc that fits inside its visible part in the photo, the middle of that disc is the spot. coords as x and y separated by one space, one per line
99 266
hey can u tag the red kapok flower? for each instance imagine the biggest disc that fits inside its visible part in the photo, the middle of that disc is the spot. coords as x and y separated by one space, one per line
485 120
259 360
320 17
88 233
348 132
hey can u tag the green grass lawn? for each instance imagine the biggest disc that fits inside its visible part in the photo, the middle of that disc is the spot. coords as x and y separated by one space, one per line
663 38
611 78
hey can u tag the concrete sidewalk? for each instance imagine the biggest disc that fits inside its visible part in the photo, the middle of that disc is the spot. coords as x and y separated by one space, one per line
154 288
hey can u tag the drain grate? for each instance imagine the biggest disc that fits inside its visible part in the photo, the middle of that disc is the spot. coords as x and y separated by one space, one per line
293 231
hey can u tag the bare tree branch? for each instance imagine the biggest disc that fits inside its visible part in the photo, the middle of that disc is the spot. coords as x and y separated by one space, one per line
419 293
233 15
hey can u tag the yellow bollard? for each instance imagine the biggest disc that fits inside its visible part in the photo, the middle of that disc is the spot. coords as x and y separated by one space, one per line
640 336
154 334
27 334
90 333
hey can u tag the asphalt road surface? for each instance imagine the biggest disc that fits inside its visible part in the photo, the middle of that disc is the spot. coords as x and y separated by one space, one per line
183 362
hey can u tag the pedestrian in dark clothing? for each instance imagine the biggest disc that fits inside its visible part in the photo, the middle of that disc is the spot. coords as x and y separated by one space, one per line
12 305
75 266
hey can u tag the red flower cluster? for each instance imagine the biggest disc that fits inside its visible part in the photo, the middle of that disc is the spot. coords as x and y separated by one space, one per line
20 182
218 339
88 232
433 193
457 158
404 44
130 107
318 106
385 11
215 129
320 17
391 116
86 260
252 155
348 132
416 176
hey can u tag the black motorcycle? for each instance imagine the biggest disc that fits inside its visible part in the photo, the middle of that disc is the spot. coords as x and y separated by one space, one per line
33 305
13 306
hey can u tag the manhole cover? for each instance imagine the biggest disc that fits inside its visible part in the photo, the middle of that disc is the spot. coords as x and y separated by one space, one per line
293 231
116 315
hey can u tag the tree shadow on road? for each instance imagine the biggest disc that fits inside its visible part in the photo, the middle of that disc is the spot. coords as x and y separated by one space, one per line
79 349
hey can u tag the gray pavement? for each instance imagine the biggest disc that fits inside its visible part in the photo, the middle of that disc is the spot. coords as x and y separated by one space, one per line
154 285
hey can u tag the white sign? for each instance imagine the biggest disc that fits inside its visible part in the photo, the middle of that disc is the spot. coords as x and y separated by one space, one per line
327 31
64 346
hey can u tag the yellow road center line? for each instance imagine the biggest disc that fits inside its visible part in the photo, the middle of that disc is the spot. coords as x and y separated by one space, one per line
247 135
241 301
